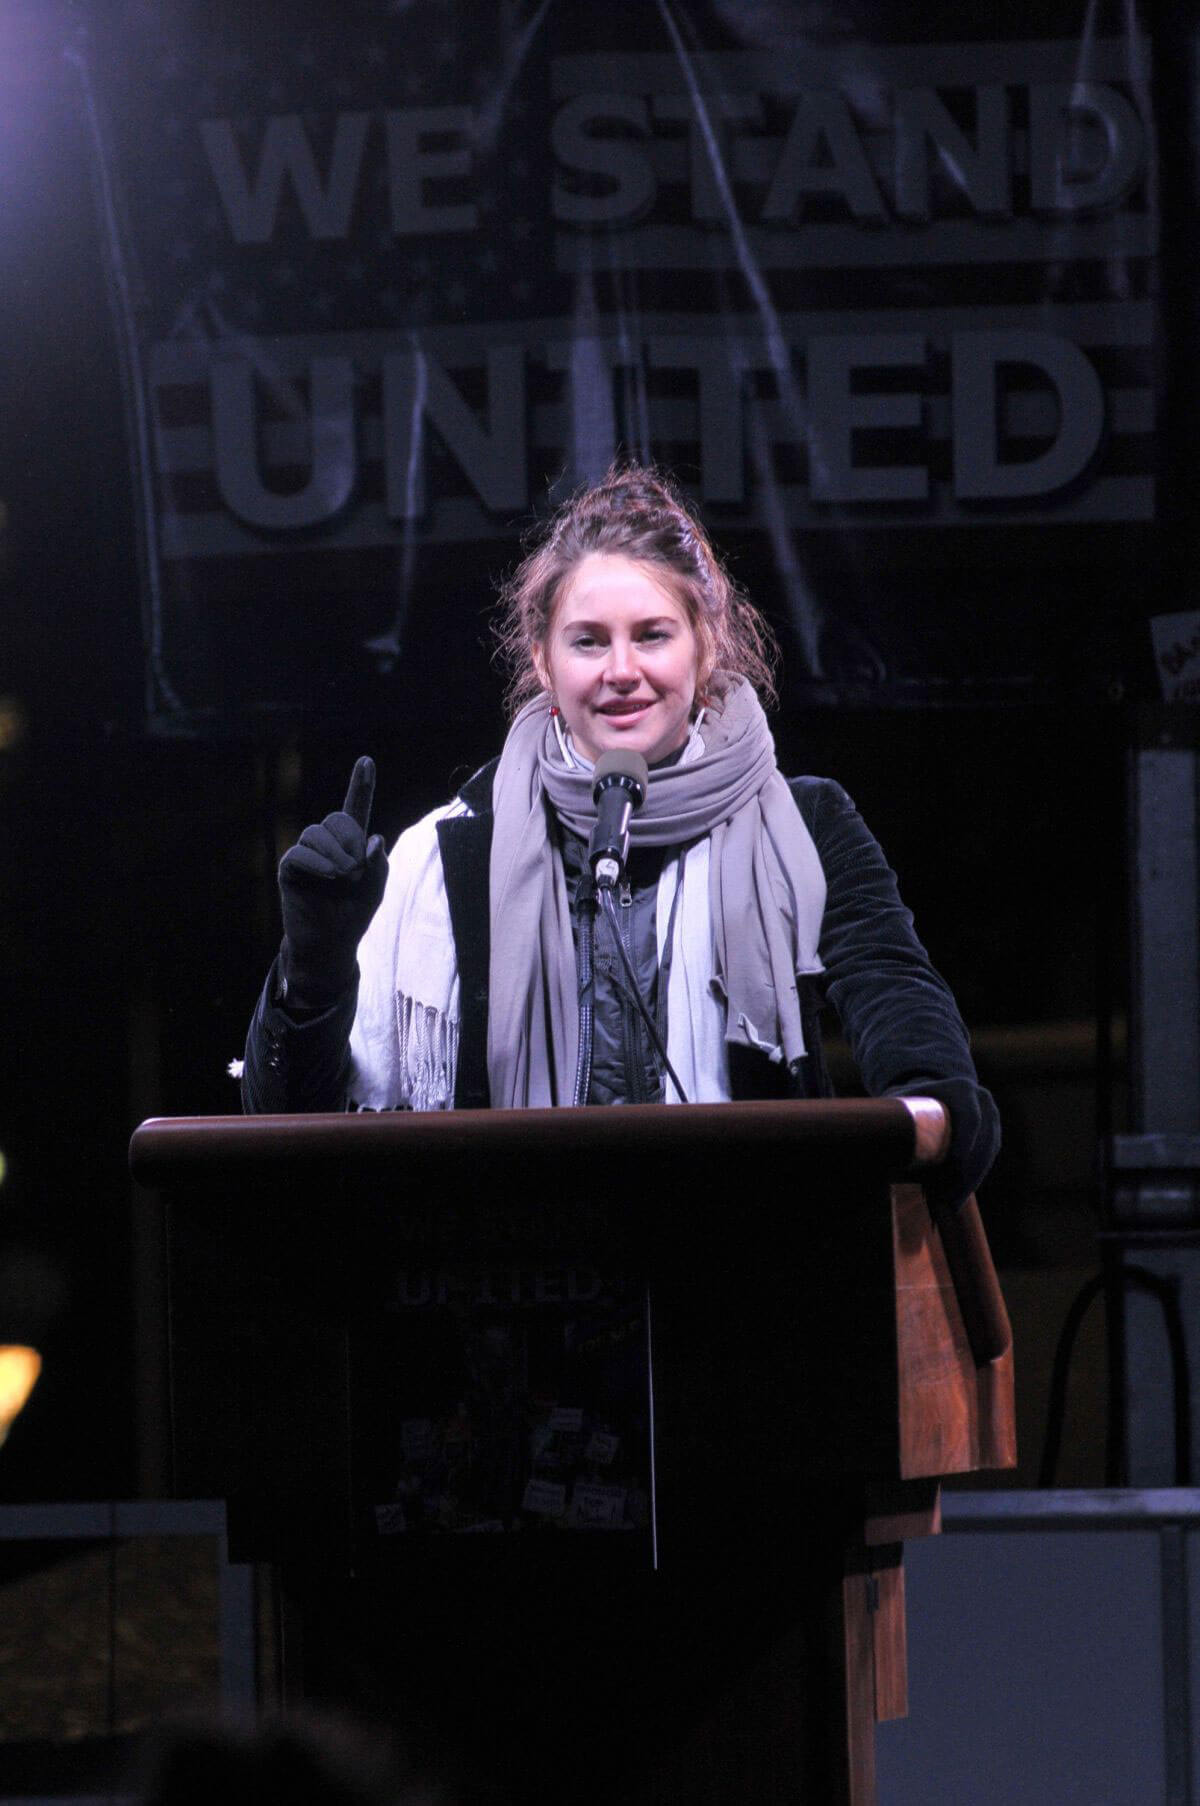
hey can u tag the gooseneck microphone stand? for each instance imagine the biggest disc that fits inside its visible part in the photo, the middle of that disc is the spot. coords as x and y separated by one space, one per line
619 785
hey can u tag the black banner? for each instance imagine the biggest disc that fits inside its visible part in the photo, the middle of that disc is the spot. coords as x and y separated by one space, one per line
385 284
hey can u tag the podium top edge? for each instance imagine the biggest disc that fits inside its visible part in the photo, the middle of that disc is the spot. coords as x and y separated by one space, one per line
893 1133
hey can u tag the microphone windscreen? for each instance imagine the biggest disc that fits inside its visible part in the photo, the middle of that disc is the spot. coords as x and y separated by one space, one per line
622 762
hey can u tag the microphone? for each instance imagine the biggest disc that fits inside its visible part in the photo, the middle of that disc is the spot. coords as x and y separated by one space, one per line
619 780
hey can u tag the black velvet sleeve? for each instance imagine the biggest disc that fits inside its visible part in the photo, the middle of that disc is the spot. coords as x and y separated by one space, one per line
896 1011
297 1062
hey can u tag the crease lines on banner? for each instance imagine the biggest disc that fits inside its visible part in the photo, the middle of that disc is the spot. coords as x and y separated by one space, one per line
132 381
805 610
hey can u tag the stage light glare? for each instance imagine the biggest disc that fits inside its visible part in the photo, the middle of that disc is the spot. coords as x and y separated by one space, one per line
19 1369
3 1166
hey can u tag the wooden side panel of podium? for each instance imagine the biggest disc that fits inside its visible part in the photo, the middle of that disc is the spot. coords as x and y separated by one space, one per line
823 1354
956 1402
956 1415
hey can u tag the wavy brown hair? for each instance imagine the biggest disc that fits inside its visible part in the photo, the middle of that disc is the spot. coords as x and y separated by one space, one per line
638 513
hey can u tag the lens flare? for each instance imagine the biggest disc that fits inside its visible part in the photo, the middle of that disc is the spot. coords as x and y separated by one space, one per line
19 1369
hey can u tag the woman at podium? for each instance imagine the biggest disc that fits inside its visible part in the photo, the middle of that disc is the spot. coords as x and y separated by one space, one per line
474 967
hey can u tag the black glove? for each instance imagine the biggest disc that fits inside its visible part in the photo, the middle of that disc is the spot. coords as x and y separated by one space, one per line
974 1140
330 885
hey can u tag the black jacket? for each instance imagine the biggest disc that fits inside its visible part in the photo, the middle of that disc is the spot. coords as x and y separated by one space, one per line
897 1013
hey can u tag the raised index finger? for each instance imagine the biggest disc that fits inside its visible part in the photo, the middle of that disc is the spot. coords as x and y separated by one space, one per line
361 793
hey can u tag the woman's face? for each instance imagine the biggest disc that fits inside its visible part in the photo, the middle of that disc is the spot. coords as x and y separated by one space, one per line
621 659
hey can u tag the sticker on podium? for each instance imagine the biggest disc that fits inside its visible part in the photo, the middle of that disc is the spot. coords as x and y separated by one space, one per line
567 1418
602 1448
545 1498
596 1507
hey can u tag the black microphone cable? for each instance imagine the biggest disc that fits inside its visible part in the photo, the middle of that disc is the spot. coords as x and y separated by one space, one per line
585 903
610 916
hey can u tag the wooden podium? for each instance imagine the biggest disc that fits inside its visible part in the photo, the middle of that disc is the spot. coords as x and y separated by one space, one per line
818 1354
